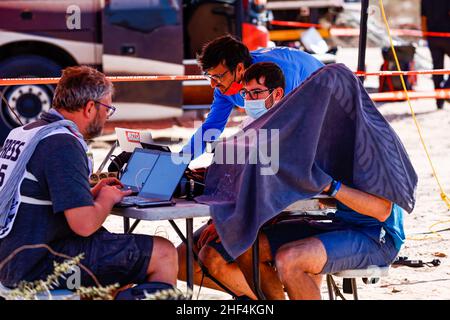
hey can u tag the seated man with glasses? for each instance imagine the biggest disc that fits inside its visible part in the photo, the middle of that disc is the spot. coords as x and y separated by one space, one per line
263 87
46 200
366 230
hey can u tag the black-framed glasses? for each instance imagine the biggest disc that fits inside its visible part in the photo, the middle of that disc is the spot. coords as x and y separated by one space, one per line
215 77
111 109
254 94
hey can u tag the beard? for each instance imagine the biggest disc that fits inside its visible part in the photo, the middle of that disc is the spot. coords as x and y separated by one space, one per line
94 128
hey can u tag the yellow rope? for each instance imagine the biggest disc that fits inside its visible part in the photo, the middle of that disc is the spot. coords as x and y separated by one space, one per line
435 233
444 197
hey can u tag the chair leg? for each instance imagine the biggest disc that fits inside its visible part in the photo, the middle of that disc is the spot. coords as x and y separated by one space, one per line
330 287
354 289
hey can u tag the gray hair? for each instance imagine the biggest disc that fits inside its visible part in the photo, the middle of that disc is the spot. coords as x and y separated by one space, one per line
78 85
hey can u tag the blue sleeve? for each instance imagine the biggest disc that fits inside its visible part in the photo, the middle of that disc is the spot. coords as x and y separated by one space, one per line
212 127
67 174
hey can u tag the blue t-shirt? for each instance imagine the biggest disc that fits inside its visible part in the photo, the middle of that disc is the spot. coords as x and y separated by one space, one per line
393 225
60 167
296 65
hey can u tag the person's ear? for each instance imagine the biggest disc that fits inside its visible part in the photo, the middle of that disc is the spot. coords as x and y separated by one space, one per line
278 94
240 70
89 109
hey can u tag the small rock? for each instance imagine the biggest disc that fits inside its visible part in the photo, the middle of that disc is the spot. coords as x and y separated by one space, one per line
395 290
440 254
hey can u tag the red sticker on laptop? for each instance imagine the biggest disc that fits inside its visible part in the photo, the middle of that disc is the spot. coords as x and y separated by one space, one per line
133 136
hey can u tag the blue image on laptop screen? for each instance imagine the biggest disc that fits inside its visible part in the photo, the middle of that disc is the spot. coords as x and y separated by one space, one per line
164 178
138 168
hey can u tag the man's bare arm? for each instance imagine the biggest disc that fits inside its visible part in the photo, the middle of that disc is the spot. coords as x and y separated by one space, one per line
364 203
84 221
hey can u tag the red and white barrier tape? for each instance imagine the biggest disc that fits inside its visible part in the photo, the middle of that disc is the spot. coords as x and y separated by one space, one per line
349 32
401 95
29 81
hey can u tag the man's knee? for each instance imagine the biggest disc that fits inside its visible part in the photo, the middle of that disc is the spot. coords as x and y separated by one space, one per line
308 255
164 253
285 260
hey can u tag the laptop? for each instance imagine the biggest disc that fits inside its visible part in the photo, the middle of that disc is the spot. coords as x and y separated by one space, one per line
154 146
161 181
137 170
129 139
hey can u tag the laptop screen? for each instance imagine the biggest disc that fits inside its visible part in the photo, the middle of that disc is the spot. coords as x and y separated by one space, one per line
165 176
138 168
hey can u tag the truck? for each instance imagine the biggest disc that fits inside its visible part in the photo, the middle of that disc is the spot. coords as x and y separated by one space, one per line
39 38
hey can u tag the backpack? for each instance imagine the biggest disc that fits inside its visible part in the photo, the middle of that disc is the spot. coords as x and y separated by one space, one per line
405 55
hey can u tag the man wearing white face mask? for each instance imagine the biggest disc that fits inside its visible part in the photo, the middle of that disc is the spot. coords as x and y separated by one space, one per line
263 88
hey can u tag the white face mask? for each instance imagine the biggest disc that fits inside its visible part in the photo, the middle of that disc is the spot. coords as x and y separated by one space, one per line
256 108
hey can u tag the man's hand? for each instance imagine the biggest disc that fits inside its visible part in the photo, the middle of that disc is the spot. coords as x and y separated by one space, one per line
105 182
112 194
208 235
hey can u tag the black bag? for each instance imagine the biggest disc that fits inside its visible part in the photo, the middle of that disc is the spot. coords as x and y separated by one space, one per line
192 183
139 292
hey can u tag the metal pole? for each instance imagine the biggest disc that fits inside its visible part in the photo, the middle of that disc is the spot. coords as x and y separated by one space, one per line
189 253
239 14
363 37
126 224
256 274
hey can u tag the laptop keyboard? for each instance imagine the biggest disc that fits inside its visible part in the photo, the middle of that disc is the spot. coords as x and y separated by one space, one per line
135 199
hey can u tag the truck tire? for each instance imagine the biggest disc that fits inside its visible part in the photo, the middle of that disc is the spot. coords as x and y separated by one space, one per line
27 101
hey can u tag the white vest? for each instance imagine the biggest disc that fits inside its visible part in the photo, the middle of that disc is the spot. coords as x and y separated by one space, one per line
17 141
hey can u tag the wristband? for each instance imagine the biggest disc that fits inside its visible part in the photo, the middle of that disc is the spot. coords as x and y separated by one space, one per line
336 188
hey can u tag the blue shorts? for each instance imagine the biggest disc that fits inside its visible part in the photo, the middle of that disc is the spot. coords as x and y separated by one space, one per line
347 247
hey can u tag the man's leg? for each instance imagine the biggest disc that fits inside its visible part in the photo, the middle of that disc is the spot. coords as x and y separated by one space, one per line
198 274
270 283
437 55
228 273
163 266
446 48
299 264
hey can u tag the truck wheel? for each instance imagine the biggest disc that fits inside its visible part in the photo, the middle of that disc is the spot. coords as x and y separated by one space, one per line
26 101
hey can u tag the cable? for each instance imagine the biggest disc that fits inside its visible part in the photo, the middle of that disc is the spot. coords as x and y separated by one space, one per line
201 285
444 197
11 109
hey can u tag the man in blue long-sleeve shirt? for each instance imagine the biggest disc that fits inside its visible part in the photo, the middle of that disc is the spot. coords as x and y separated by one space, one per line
224 61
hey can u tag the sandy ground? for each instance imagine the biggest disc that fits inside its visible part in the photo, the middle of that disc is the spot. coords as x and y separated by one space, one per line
402 282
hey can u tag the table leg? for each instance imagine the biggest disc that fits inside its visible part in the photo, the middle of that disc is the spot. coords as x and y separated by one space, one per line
189 253
126 224
256 276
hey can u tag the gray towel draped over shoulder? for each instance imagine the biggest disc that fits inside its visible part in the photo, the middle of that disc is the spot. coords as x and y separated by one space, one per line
328 128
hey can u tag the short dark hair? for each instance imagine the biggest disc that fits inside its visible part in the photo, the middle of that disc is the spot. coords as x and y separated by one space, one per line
224 49
272 73
78 85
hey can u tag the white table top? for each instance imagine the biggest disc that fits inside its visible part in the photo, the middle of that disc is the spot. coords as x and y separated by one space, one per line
182 210
190 209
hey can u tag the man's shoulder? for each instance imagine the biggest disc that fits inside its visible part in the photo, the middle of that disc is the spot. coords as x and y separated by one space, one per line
59 143
61 139
285 57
